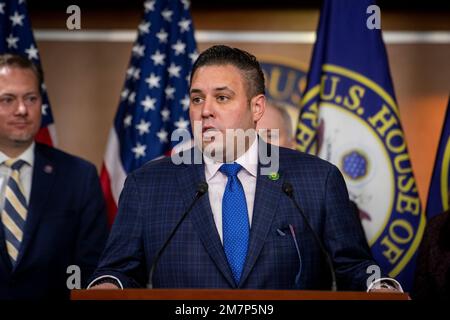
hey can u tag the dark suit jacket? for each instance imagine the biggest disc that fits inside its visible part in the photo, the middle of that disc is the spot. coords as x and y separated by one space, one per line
66 225
432 280
157 194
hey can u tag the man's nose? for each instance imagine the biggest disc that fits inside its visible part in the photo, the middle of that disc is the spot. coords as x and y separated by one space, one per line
21 109
207 108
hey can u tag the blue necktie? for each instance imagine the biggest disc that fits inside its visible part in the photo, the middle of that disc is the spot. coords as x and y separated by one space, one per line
15 209
235 225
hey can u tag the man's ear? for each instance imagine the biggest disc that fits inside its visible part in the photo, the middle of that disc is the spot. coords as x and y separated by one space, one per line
258 105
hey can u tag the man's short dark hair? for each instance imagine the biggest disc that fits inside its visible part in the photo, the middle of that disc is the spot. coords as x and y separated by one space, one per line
244 61
17 61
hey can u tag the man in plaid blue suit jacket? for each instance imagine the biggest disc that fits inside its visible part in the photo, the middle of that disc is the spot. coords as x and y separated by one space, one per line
282 253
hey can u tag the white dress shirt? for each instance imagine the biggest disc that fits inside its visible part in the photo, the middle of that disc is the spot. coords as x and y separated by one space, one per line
217 182
25 176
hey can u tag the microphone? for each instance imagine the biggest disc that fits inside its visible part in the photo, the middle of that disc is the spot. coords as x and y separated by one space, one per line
202 188
289 191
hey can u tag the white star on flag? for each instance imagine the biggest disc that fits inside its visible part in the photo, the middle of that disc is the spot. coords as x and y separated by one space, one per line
186 4
130 72
153 81
148 103
158 58
16 19
12 41
181 123
184 25
137 74
32 52
138 50
193 56
162 135
127 120
169 92
165 114
44 109
143 127
149 6
162 36
124 94
132 97
144 27
179 47
139 150
2 7
167 15
185 102
174 70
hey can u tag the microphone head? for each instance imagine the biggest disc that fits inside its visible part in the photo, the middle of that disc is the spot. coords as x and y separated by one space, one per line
287 188
202 187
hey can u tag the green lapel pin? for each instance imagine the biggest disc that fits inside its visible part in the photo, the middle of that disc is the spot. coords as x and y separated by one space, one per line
274 176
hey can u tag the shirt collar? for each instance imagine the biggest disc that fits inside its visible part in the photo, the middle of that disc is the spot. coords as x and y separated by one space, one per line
27 155
248 160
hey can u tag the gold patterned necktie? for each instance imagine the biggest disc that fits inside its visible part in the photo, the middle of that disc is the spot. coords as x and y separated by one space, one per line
15 209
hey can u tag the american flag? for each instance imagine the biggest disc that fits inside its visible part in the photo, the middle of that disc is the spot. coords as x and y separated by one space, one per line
154 101
16 36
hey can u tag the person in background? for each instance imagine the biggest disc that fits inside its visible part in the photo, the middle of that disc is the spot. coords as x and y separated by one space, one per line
276 117
52 209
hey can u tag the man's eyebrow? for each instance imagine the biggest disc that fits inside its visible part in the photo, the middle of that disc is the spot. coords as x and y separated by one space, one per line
195 91
223 89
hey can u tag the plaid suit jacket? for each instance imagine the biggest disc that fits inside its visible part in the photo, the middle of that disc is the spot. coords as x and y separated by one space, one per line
155 196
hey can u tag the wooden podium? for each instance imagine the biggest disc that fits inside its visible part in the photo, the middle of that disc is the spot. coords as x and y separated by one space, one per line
216 294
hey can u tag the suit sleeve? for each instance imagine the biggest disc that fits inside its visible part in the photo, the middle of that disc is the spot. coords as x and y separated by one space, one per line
123 257
343 236
93 228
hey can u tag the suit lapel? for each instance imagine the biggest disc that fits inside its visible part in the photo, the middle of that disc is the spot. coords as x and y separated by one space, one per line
202 217
266 202
42 181
4 257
